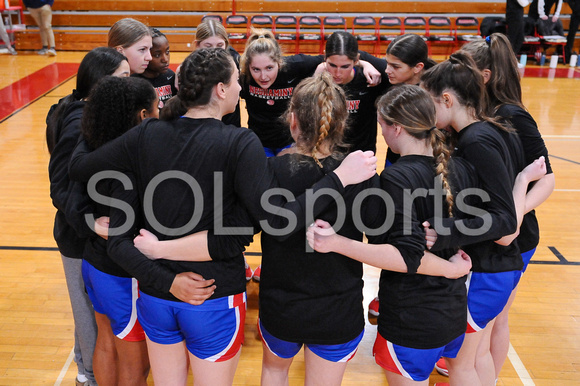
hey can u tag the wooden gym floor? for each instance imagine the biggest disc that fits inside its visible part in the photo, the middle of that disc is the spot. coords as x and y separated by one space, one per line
36 329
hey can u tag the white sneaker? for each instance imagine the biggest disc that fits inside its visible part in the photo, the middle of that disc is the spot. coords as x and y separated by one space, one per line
43 51
51 52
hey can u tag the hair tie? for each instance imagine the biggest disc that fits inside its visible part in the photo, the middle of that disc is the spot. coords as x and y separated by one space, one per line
433 128
488 40
76 95
262 37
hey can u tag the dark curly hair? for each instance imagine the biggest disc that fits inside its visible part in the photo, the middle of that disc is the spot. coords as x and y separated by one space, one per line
113 108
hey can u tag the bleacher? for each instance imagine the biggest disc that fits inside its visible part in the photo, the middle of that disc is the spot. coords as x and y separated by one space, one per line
83 25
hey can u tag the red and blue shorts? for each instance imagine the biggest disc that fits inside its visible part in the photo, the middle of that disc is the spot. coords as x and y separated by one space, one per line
412 363
333 352
213 331
487 295
115 297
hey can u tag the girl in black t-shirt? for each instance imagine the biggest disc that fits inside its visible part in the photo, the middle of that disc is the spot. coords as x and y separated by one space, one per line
268 79
496 60
458 91
70 229
158 72
114 106
406 60
342 61
422 297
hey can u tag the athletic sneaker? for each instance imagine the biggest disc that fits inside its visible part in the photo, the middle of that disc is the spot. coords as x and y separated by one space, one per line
249 272
441 367
43 51
12 50
374 307
257 273
51 52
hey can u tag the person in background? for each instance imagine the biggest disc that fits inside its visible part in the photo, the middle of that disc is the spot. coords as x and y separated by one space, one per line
158 72
341 60
514 17
133 39
540 9
5 38
572 29
212 34
41 12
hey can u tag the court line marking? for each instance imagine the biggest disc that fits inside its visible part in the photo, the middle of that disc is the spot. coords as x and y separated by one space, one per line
28 94
519 367
564 159
65 367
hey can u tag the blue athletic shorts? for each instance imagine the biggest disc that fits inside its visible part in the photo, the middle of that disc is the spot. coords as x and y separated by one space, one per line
526 257
213 331
487 295
412 363
333 352
114 297
273 151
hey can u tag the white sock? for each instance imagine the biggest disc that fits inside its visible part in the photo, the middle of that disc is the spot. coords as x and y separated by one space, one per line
82 378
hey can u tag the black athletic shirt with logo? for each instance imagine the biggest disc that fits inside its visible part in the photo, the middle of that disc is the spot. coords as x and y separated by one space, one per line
164 85
361 132
266 107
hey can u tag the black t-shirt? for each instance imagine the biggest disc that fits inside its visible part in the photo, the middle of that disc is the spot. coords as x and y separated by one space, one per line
96 247
323 303
189 172
361 132
533 147
164 85
497 158
266 107
419 311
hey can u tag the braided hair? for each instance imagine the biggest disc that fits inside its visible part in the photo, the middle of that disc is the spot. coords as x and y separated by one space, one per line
413 109
319 106
200 72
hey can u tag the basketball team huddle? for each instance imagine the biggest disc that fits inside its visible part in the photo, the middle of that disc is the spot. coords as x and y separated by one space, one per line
159 190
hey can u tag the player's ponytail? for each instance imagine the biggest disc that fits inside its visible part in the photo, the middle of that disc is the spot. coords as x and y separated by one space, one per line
412 108
319 107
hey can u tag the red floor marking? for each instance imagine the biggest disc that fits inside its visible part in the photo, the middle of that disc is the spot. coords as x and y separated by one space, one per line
28 89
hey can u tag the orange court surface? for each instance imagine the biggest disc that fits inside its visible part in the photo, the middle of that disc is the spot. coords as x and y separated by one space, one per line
36 324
